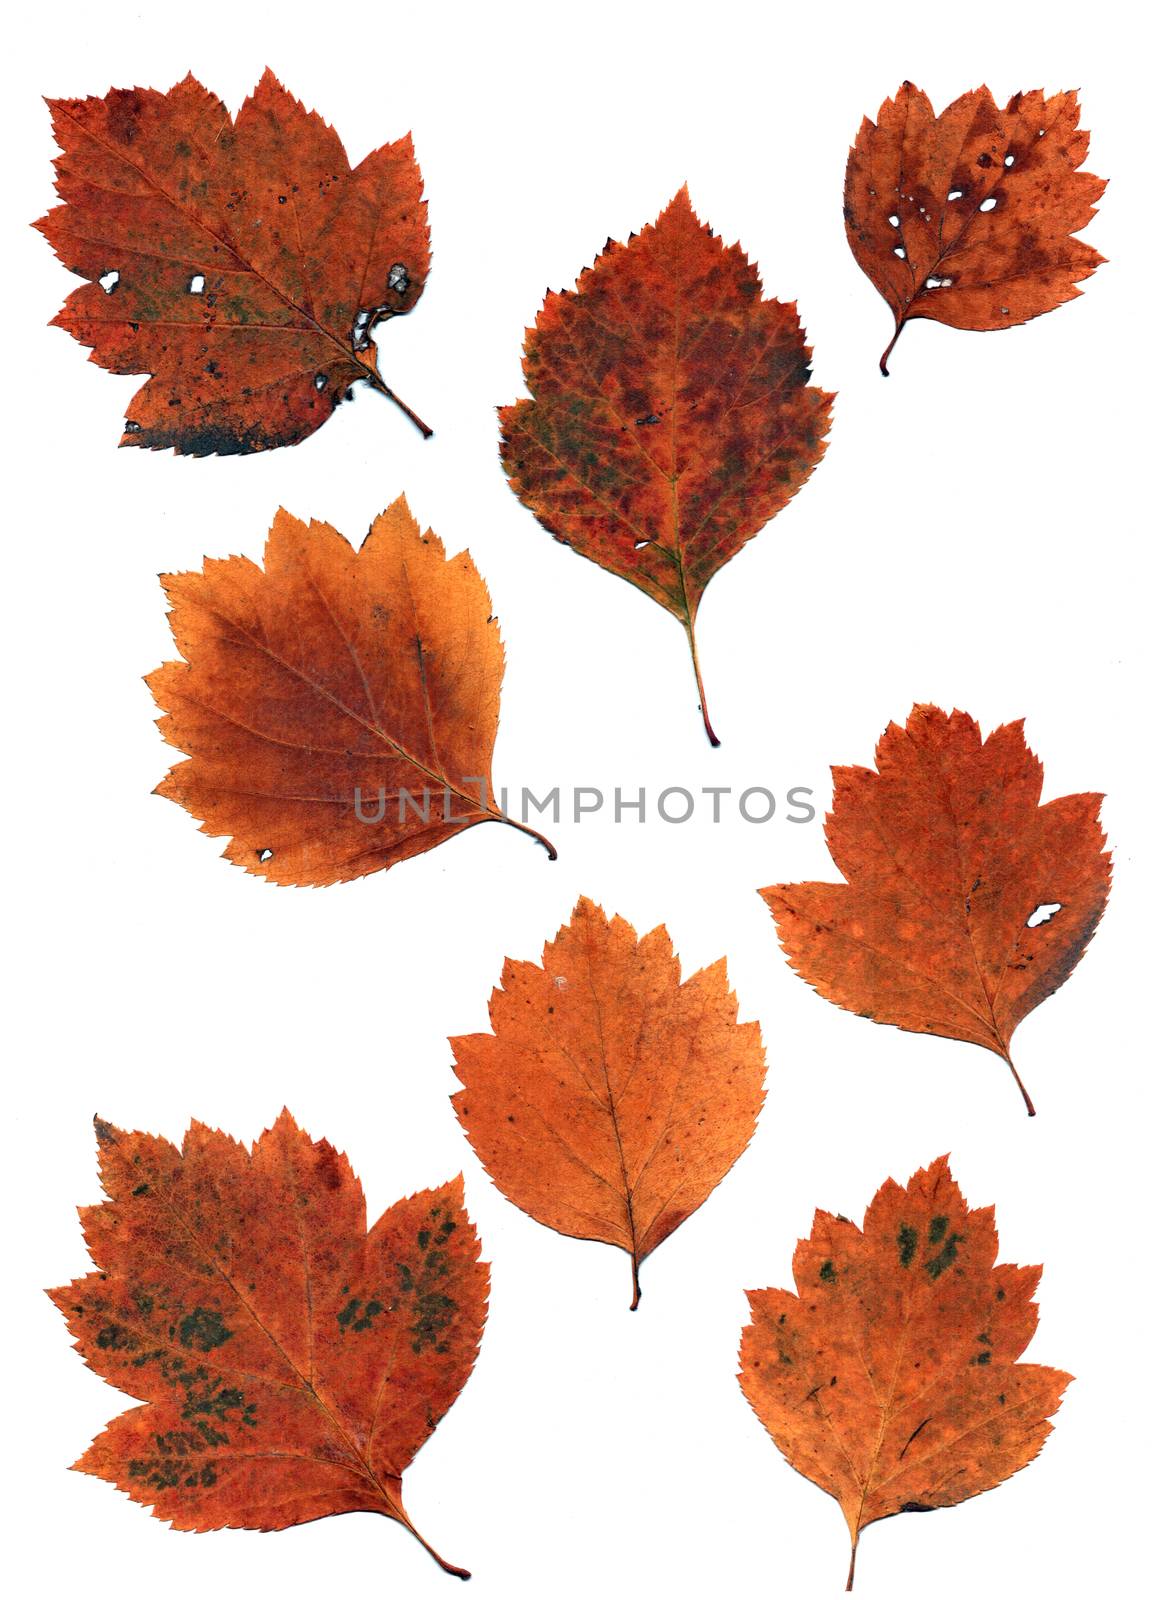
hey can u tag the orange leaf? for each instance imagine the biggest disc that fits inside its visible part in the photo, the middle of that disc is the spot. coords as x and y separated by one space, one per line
892 1379
671 414
243 263
610 1097
290 1362
967 902
340 708
968 217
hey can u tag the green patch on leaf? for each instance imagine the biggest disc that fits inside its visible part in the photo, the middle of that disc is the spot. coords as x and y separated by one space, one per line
203 1329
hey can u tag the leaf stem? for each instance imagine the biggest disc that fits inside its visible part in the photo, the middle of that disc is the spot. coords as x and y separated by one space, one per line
1029 1106
523 827
710 733
637 1288
891 347
851 1567
398 1514
377 383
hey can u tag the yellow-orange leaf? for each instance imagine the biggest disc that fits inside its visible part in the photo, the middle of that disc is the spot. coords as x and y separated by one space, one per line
340 707
892 1377
611 1097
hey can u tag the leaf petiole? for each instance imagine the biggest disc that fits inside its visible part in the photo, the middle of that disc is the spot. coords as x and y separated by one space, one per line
710 733
891 346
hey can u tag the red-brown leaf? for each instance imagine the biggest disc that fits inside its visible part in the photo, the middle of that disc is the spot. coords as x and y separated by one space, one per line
290 1363
948 857
671 414
251 261
968 218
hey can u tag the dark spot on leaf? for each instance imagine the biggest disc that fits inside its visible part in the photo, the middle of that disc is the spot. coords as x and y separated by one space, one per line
947 1256
115 1337
203 1329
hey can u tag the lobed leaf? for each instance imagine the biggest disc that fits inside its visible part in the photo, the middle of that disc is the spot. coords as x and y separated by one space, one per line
966 901
242 262
290 1362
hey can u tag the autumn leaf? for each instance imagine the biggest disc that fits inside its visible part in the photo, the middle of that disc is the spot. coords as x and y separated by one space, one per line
289 1362
968 218
610 1097
671 415
242 263
891 1378
966 903
340 707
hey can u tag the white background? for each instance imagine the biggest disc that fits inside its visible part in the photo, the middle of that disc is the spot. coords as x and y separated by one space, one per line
978 534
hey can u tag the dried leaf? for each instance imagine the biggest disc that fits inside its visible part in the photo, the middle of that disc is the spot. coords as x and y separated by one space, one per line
243 263
967 218
892 1379
290 1363
340 708
610 1098
671 415
967 902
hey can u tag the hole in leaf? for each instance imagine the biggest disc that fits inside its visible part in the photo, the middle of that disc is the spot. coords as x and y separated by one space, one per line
132 427
641 544
397 278
990 204
894 220
901 252
938 283
1009 159
109 281
320 381
265 854
361 330
1043 914
197 284
956 194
